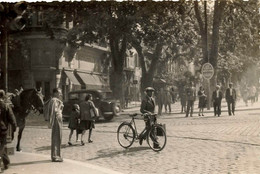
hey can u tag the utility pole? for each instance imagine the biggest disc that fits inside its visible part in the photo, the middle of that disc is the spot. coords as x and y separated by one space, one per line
207 53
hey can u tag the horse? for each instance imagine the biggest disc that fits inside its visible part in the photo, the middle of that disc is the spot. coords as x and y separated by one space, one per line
29 99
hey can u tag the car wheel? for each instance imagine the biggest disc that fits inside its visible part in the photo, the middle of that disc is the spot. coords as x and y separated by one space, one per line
108 117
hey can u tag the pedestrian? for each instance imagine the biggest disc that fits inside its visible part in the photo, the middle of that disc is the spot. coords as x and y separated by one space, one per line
183 100
172 92
6 117
191 97
202 100
216 100
167 101
54 115
160 100
231 99
74 122
127 97
252 93
256 94
147 107
245 94
87 121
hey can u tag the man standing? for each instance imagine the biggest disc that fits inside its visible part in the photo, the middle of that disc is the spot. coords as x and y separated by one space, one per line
167 100
216 99
191 97
147 106
160 100
54 110
231 98
6 117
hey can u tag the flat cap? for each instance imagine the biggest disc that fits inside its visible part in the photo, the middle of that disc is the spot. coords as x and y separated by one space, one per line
149 89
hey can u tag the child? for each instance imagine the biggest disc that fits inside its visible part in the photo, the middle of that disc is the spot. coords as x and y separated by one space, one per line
74 122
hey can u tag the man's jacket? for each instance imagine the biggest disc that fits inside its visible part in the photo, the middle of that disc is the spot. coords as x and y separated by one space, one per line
6 117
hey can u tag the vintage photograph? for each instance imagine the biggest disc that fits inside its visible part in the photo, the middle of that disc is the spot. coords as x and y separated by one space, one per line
130 87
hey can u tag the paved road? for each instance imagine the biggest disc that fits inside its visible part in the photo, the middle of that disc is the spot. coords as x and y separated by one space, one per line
226 144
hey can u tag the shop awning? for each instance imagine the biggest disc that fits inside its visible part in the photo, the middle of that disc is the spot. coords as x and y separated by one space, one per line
97 80
93 81
86 78
72 77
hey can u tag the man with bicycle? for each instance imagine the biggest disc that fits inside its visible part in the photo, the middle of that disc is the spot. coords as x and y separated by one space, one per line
147 107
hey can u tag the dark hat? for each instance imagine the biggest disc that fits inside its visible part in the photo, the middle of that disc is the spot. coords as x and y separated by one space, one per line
75 106
149 89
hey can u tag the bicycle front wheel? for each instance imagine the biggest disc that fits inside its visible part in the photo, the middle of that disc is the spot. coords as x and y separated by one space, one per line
125 135
156 138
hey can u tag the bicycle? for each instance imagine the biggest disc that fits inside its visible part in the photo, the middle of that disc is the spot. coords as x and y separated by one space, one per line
127 133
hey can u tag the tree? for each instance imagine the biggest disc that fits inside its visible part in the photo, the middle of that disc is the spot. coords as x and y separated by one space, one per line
162 33
239 48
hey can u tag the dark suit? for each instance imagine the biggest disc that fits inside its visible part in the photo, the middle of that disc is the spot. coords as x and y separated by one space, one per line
217 102
191 97
231 100
147 105
6 117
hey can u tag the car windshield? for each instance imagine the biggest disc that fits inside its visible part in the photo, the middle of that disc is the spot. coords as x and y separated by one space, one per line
73 96
107 95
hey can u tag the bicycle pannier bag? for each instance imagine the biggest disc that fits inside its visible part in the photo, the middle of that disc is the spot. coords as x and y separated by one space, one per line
159 131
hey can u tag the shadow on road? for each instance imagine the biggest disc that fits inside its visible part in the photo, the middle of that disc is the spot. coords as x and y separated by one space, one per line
108 153
30 162
43 148
208 139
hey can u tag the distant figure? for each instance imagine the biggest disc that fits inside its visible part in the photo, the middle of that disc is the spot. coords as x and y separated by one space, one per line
6 117
256 94
160 100
202 100
191 97
183 100
216 99
252 94
74 122
172 92
231 99
127 97
245 94
167 101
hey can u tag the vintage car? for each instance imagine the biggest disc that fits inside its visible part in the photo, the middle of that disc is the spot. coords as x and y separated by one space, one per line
103 99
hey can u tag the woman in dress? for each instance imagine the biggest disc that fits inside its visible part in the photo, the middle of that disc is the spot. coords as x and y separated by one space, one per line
202 100
74 121
87 121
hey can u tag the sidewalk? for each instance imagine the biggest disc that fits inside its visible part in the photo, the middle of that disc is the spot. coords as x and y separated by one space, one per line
28 163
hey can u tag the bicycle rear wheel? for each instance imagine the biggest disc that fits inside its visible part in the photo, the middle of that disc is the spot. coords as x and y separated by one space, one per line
125 135
156 138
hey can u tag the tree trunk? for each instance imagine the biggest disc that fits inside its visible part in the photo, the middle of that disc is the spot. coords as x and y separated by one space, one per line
148 75
217 18
118 59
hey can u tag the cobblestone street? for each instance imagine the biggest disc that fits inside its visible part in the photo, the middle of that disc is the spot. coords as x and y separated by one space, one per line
226 144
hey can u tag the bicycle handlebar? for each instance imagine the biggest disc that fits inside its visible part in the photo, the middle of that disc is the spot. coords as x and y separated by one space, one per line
145 114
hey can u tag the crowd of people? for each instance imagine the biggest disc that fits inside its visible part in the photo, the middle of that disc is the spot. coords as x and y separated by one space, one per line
187 95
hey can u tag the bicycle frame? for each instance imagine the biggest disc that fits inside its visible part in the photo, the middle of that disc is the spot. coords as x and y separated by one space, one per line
132 122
